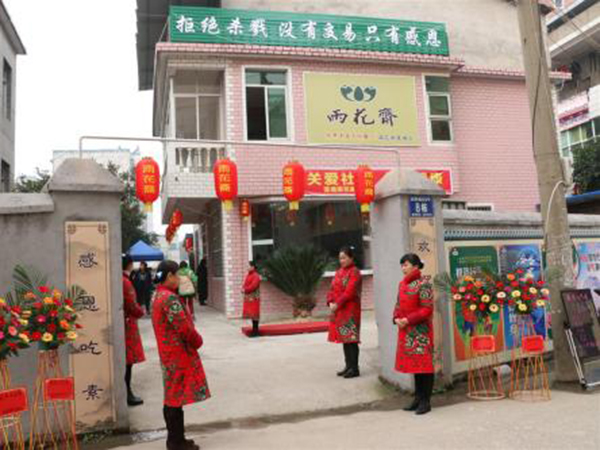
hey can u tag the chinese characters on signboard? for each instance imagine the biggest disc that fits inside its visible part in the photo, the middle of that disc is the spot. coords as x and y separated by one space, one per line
361 109
226 26
328 182
420 206
88 266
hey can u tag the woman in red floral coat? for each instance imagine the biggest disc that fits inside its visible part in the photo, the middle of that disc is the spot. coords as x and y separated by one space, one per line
134 351
251 291
413 315
178 344
344 301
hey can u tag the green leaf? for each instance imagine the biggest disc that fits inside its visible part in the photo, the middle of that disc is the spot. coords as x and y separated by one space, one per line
296 270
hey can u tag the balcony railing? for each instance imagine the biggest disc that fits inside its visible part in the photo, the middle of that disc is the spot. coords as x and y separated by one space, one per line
190 158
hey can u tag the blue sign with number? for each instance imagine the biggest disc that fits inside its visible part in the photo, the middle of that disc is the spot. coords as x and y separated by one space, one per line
420 206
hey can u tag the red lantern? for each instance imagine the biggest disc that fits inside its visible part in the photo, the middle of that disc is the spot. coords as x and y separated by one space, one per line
293 184
226 182
189 244
147 182
329 213
177 218
364 187
245 209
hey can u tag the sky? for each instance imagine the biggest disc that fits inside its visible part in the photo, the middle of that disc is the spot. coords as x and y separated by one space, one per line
79 77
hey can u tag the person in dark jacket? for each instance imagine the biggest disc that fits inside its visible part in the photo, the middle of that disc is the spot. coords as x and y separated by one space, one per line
142 281
202 273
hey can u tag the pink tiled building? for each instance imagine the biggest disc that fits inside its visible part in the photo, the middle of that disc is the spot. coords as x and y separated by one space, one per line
263 104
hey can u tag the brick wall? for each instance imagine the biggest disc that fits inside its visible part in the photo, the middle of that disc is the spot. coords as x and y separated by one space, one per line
491 158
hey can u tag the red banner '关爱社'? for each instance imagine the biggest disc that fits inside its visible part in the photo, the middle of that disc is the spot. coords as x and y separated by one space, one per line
341 182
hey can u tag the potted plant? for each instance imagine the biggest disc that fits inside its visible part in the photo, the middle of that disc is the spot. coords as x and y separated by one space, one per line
297 271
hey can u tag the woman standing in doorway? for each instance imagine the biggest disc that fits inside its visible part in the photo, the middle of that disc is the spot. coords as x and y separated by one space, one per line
187 286
344 301
251 292
413 315
142 281
134 351
178 344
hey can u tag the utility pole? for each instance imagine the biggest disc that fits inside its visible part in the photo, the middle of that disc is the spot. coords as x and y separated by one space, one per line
557 238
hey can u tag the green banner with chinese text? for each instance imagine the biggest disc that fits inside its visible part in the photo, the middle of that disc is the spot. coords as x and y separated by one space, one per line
228 26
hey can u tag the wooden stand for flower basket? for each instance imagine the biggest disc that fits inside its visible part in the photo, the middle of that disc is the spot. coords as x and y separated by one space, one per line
529 375
485 382
11 428
52 420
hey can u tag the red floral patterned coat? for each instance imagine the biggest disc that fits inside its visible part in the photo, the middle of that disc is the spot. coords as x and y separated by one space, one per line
134 351
345 291
178 343
251 290
415 341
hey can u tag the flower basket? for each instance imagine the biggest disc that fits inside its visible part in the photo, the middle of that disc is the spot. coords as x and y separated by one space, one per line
484 380
529 375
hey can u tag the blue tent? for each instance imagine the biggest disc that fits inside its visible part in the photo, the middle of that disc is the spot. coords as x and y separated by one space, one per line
141 251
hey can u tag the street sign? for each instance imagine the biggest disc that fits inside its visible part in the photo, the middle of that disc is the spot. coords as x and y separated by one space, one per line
420 206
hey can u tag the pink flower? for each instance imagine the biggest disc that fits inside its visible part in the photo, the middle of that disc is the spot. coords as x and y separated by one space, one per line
41 319
12 331
1 335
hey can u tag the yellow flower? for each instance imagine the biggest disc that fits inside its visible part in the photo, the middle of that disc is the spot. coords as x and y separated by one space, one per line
47 337
69 309
501 295
57 294
48 300
457 297
533 291
485 299
545 292
473 307
71 335
2 301
516 294
24 322
24 338
522 307
26 314
494 308
540 303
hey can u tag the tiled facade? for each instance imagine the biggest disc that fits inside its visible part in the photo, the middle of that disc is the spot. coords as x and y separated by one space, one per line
491 156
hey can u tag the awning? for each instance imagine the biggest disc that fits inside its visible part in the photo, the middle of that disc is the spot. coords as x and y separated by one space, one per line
141 251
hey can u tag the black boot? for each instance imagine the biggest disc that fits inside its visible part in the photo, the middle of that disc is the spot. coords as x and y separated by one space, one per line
353 372
343 372
176 431
255 329
132 400
427 389
418 394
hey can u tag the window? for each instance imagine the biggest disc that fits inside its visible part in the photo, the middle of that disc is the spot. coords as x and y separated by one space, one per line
197 98
579 136
327 225
558 3
266 105
5 177
7 88
439 108
450 204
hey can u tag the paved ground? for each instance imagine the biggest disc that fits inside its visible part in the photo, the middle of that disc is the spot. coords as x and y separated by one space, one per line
568 421
282 393
258 377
